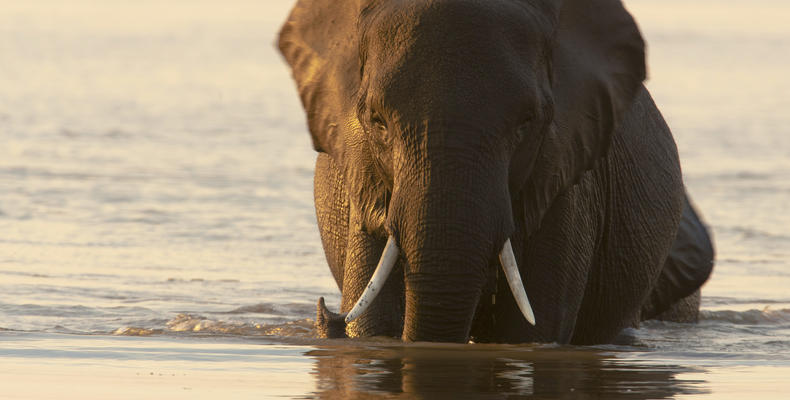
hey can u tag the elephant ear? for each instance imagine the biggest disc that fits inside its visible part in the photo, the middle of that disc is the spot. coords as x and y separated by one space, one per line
597 67
319 43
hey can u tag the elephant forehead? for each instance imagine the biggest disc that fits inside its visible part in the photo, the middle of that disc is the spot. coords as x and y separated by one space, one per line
442 52
450 27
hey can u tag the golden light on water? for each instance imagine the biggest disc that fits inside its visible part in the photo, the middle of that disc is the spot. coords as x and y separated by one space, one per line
158 237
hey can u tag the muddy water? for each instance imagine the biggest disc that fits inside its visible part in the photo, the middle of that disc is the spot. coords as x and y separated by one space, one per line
157 235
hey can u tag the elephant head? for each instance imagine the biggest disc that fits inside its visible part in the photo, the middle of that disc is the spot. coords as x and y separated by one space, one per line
454 124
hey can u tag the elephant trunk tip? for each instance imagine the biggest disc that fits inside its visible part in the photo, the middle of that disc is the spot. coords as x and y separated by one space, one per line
328 324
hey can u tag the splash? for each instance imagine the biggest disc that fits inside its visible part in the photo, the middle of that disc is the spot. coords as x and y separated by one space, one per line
200 324
283 309
133 331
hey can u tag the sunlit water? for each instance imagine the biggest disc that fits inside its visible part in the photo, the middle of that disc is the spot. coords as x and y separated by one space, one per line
157 232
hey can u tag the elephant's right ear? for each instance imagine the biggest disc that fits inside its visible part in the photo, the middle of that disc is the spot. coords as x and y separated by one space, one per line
319 43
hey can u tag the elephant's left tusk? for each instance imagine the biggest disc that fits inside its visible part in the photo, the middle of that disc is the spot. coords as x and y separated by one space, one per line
508 260
387 261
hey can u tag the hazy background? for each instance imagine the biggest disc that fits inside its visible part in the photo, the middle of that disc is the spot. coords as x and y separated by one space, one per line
156 211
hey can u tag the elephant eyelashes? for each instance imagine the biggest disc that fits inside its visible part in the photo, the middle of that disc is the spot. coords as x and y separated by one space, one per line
377 122
521 132
379 141
378 128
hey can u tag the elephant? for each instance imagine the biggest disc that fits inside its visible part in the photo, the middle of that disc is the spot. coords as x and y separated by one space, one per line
457 135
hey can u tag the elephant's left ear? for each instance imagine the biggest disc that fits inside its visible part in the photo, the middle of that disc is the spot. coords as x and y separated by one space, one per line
319 43
598 65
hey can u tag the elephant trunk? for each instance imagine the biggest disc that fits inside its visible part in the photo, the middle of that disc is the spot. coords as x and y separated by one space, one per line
451 222
440 308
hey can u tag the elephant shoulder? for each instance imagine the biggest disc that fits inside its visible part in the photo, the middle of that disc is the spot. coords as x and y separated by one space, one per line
644 132
643 163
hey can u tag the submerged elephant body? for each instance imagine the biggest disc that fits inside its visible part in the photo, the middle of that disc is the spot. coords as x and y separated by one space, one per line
457 127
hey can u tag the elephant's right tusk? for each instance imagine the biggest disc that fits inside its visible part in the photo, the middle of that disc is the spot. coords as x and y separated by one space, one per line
387 261
508 260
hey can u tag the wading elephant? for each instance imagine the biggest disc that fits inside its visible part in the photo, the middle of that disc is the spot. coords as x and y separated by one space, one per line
458 135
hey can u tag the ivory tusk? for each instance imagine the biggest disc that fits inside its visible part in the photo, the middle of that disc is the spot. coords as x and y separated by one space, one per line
508 260
386 262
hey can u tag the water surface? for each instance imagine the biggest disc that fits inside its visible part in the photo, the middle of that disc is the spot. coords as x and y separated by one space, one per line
158 238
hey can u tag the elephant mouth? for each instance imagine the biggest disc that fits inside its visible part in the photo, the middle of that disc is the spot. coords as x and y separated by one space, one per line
390 256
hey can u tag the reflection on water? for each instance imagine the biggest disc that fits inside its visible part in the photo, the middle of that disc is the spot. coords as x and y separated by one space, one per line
493 370
156 215
181 365
197 367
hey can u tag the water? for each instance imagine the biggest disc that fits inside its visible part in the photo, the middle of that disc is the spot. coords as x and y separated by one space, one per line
158 238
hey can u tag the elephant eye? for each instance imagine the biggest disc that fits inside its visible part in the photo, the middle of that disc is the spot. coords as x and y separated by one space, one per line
378 128
521 131
377 122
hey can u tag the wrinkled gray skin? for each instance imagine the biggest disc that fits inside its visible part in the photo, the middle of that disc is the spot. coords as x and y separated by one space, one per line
453 125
